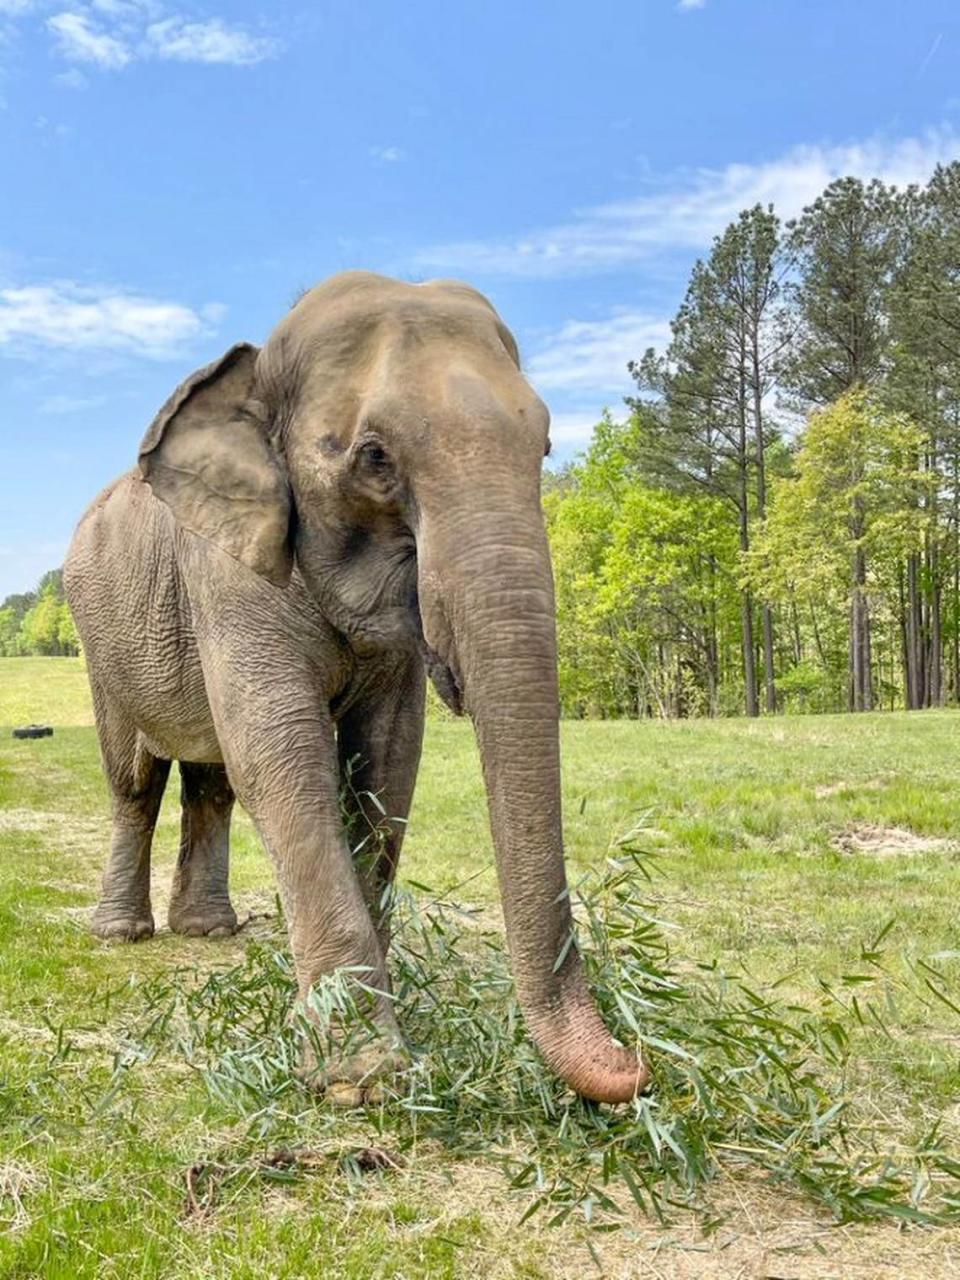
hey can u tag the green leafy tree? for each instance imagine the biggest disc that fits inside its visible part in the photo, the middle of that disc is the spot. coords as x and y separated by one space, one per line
845 248
9 632
38 622
639 596
838 525
68 639
40 627
20 603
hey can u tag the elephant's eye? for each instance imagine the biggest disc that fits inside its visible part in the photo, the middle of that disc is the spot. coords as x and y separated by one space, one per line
375 454
374 461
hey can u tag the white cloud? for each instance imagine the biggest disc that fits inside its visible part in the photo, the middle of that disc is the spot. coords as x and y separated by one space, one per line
570 429
72 79
582 366
15 8
686 5
52 130
212 41
76 317
590 356
931 53
63 404
686 209
114 33
78 41
123 8
388 155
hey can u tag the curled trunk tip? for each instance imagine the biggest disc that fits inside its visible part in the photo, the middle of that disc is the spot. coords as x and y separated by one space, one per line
578 1047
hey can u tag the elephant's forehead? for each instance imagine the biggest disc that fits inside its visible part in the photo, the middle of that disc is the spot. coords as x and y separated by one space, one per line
371 327
368 286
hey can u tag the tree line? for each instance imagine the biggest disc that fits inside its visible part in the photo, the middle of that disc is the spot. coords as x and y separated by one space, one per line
775 522
38 622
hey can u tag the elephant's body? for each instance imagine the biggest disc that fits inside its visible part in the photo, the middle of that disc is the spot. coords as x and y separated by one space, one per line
174 677
312 527
139 625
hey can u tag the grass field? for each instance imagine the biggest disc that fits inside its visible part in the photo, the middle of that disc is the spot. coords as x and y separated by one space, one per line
786 849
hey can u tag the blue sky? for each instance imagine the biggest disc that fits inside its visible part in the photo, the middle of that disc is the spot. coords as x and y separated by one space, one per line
173 171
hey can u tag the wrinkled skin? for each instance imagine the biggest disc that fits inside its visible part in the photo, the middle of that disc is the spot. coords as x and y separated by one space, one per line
312 527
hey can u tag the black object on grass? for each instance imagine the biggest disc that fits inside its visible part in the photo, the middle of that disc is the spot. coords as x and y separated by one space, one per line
33 731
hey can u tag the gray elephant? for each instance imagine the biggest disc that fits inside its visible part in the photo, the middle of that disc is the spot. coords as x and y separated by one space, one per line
313 525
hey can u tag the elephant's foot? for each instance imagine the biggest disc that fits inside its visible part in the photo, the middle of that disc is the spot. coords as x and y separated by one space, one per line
210 919
366 1078
121 924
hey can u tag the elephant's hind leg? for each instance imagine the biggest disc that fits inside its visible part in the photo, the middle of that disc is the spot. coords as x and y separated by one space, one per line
200 901
137 779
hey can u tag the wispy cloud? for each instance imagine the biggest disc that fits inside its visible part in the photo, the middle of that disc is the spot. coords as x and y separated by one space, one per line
52 130
582 365
129 10
212 41
74 317
592 355
65 404
931 53
388 155
112 34
78 40
686 5
72 79
685 209
567 430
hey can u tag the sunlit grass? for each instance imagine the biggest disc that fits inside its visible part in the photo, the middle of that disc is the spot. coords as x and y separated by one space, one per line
755 828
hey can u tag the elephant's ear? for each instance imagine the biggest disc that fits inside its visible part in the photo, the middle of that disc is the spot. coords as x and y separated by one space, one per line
208 458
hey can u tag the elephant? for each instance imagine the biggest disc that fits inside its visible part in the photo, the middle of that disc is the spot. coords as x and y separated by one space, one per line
315 527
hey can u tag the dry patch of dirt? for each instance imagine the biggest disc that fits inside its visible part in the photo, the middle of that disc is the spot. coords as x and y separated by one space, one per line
86 1038
787 1247
24 820
766 1233
65 832
888 842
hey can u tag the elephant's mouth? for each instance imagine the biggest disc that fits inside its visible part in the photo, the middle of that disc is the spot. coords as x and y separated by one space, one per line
444 681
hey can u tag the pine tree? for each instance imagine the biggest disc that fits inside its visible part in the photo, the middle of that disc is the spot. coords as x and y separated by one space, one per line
845 248
714 382
925 382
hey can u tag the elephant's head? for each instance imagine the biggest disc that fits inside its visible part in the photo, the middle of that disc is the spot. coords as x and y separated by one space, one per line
385 439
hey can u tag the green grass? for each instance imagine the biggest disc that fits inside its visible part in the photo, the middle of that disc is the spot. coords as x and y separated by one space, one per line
785 848
41 690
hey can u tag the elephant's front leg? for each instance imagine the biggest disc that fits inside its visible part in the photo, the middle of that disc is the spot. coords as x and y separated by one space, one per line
379 743
284 769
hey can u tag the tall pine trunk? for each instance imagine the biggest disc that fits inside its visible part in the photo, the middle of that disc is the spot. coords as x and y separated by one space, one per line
955 583
746 602
861 667
914 647
749 662
769 679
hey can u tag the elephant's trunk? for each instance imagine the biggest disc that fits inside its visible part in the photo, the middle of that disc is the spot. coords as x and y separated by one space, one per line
496 616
